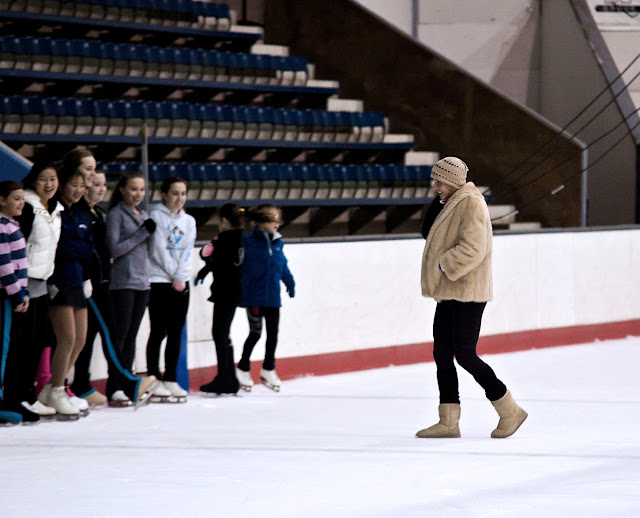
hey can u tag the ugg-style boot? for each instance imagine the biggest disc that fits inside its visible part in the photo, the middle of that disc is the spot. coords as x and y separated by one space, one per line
511 416
448 425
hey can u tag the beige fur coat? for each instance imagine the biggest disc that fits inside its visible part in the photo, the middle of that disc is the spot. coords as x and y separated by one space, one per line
460 241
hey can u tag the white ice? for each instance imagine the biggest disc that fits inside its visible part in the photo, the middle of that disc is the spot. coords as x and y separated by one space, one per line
344 446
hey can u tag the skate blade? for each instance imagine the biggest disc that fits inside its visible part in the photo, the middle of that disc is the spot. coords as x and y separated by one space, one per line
47 418
275 388
67 417
9 424
145 398
84 413
30 423
212 395
246 388
120 404
168 399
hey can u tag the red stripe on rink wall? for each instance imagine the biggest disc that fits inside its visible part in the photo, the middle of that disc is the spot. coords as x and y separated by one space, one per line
347 361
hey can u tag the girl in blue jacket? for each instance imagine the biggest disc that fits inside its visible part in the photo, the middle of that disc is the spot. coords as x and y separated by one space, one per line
264 267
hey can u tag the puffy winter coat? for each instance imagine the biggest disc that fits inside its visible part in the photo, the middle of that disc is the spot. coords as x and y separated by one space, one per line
264 267
43 238
460 241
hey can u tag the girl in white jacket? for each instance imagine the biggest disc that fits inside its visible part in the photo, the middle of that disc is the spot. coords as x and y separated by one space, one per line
171 261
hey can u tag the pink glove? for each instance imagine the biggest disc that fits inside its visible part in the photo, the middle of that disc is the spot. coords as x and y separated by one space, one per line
207 250
179 285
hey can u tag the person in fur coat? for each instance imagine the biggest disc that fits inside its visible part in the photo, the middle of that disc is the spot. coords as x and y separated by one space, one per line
456 272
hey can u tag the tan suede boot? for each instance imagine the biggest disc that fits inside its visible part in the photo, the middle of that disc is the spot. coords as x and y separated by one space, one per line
511 416
448 425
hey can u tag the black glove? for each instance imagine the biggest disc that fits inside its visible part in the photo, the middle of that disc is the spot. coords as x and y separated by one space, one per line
150 225
201 275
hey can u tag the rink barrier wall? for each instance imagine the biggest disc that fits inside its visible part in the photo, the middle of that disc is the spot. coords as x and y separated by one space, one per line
358 303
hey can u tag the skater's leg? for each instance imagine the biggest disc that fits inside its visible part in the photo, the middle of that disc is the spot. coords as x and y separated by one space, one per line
140 303
255 330
176 320
467 318
121 310
443 354
64 326
272 321
221 326
80 320
160 310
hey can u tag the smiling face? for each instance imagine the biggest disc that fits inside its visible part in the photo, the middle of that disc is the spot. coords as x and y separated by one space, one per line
13 204
176 197
46 185
73 190
88 169
96 191
133 192
444 191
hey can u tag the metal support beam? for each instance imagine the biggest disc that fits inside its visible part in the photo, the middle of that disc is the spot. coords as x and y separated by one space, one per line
322 217
399 214
364 215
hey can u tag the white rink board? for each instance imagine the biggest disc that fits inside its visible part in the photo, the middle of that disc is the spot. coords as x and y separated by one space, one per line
366 294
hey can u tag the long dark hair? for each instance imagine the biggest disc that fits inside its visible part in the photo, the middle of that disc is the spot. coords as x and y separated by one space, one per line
116 195
31 179
234 214
168 182
73 159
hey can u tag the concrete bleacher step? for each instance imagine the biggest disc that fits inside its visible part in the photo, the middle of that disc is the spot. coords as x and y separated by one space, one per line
345 105
421 157
502 214
323 83
525 225
397 138
270 50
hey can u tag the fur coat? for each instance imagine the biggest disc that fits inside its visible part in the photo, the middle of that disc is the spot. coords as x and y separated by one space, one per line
460 241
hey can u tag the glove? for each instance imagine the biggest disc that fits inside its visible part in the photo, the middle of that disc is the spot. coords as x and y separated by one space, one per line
291 291
207 250
201 275
87 288
150 225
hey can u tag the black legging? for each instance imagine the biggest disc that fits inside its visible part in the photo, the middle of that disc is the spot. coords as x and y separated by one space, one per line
127 307
29 337
272 320
456 328
167 314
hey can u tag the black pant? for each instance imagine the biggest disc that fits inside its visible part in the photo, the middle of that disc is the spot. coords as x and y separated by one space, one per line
222 318
272 319
81 385
167 314
127 309
456 328
29 337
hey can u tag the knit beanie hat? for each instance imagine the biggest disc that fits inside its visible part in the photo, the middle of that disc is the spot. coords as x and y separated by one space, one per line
451 171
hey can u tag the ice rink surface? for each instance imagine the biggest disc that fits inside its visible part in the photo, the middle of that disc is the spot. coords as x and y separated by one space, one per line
344 446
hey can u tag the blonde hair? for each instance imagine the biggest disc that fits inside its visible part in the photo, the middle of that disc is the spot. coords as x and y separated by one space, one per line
265 213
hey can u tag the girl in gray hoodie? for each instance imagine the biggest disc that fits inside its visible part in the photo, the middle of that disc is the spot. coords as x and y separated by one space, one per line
129 231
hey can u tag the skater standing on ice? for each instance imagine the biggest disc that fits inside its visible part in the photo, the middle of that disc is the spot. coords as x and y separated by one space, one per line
69 290
171 261
99 271
224 256
265 266
40 223
129 232
456 272
13 287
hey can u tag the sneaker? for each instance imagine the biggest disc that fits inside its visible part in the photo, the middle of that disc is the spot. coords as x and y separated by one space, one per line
270 379
44 411
244 378
119 398
174 389
59 400
95 399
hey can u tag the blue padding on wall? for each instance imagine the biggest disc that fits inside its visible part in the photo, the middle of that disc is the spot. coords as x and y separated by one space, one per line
183 370
14 167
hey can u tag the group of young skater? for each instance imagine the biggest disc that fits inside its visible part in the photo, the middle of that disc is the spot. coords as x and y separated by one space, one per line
70 270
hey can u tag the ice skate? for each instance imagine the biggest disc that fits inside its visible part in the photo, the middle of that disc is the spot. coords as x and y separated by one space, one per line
119 400
160 394
29 417
7 417
178 394
217 388
59 400
95 399
45 412
79 403
147 387
244 379
270 380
